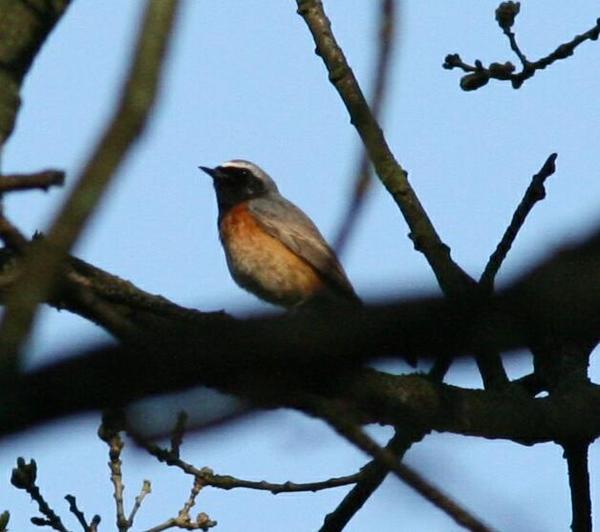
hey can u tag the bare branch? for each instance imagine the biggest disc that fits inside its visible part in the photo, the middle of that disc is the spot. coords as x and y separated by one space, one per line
146 490
208 478
74 509
477 75
371 477
241 356
362 180
24 477
40 180
489 362
535 192
346 427
576 455
42 264
450 276
183 519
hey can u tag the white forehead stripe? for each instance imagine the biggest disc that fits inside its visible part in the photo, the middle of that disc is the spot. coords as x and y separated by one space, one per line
238 163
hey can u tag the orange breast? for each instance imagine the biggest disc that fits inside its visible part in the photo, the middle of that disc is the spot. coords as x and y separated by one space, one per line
263 265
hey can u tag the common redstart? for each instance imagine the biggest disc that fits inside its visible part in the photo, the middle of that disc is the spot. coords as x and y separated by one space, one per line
272 248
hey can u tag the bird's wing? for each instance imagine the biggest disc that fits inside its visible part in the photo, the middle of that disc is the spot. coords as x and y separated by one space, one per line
288 224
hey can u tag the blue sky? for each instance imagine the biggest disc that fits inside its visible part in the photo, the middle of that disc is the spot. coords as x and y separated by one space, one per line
243 81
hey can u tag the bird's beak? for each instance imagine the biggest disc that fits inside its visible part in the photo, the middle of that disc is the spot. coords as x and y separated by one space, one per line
212 172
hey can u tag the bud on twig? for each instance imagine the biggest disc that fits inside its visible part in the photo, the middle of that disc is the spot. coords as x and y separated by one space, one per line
506 13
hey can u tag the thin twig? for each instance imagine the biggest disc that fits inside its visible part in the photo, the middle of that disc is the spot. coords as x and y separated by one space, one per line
74 509
227 482
40 180
24 477
535 192
183 519
478 75
94 524
576 455
371 477
362 179
451 277
489 361
42 265
146 490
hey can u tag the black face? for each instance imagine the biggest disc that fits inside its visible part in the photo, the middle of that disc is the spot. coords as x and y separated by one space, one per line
234 185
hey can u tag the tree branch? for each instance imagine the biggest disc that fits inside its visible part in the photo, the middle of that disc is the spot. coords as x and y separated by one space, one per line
40 180
477 75
489 361
115 445
43 262
362 179
535 192
24 26
207 477
79 515
183 519
346 427
243 356
371 477
24 477
451 277
576 455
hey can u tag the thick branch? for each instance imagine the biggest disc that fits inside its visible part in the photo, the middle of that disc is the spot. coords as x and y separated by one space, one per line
187 348
273 381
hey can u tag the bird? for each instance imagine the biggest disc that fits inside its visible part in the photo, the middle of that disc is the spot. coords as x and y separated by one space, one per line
272 248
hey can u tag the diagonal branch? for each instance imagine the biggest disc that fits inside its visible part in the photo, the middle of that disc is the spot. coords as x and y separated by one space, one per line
342 423
489 362
43 262
535 192
450 276
371 477
363 178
